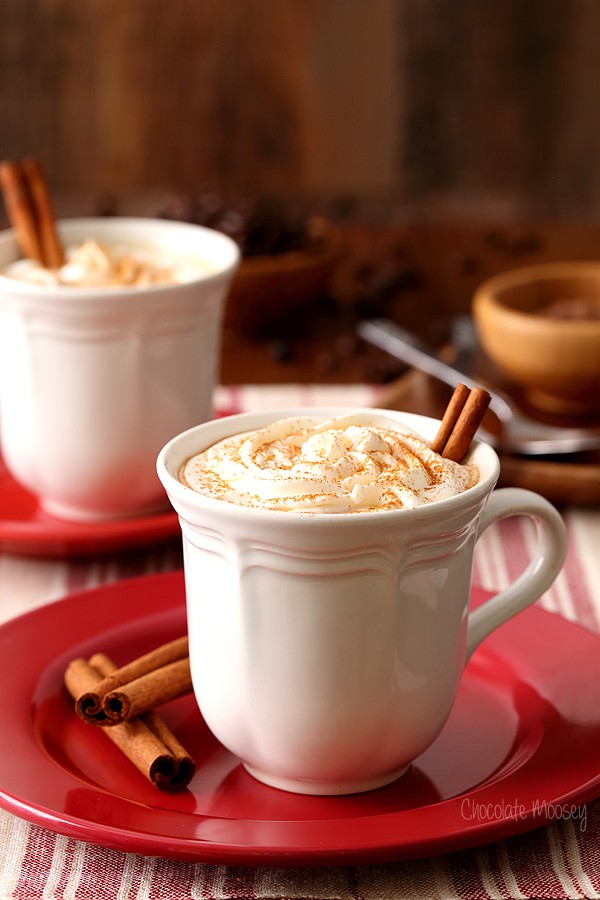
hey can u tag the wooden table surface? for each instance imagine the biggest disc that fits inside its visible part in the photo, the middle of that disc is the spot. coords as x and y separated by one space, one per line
420 275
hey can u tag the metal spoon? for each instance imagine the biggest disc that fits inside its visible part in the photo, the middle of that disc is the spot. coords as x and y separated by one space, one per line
520 434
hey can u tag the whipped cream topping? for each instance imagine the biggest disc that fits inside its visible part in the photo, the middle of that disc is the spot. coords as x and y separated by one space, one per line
353 463
92 264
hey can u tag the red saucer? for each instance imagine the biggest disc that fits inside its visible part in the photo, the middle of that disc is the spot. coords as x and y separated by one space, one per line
27 530
520 748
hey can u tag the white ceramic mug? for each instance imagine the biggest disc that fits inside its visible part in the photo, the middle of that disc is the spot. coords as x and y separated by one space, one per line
327 649
93 381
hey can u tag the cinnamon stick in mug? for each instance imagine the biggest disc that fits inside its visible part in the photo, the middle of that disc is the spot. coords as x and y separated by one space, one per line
146 741
451 414
20 211
51 247
463 417
89 704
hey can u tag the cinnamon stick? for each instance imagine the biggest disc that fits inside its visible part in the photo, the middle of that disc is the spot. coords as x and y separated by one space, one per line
185 764
453 410
30 210
146 741
150 690
19 210
52 251
89 705
471 410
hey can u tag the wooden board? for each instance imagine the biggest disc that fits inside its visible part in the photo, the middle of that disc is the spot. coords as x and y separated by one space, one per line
393 99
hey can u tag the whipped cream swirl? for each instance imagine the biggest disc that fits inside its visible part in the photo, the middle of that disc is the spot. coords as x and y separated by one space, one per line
353 463
96 265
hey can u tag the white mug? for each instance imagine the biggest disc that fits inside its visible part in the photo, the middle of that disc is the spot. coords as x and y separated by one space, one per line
93 381
326 649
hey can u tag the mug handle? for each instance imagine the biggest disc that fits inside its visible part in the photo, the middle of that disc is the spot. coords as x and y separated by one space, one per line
547 560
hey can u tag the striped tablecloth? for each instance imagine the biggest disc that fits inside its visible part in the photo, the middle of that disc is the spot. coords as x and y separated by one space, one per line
557 859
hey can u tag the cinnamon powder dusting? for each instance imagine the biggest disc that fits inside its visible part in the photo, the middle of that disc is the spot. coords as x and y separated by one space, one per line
356 463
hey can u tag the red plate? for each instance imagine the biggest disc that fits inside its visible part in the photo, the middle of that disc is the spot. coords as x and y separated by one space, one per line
520 748
27 530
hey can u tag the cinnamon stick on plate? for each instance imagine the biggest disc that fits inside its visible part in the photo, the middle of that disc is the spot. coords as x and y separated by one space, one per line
150 690
146 682
462 418
146 741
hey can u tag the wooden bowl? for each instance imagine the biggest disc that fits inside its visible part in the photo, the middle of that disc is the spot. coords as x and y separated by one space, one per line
540 325
267 289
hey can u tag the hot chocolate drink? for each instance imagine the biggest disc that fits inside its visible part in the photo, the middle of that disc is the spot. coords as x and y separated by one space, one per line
100 265
358 462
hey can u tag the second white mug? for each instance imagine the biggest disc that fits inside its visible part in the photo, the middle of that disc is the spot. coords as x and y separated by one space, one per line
94 380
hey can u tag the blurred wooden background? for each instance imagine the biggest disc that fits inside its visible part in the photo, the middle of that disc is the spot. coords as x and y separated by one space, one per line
471 108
